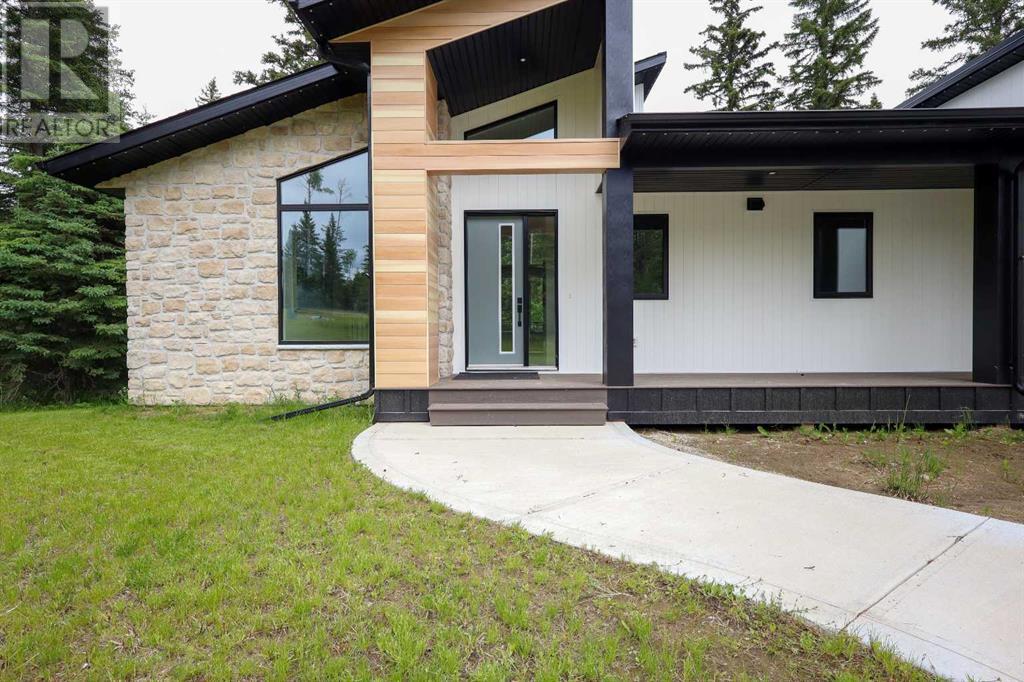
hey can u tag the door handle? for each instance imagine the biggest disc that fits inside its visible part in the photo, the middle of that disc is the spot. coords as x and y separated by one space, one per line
519 311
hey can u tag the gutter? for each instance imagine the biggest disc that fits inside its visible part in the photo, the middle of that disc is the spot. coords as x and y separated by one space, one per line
836 119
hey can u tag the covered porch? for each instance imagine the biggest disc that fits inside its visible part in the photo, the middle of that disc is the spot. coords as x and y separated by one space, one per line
935 323
855 398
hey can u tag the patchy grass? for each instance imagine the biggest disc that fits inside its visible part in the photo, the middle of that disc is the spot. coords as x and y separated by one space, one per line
979 470
181 543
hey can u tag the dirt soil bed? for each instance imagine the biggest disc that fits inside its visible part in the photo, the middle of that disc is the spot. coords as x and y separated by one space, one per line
979 471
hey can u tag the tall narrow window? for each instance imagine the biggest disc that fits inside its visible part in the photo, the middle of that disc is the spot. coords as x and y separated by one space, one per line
842 255
324 252
507 287
534 124
650 256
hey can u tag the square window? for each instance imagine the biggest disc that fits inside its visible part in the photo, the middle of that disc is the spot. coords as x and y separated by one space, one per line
842 255
650 257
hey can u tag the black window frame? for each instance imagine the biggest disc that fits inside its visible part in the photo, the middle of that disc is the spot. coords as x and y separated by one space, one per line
653 221
366 207
553 105
829 220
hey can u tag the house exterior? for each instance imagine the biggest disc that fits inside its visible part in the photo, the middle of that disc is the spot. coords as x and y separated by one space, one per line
466 211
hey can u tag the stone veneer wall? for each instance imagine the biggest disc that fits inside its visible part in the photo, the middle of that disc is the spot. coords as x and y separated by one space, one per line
445 323
202 268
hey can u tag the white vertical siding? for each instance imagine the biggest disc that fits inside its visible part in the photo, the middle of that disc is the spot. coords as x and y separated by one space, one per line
741 297
578 205
1005 89
579 106
574 197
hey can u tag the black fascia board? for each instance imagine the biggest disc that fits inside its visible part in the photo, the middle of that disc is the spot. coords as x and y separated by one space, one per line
825 120
648 69
816 138
994 61
193 118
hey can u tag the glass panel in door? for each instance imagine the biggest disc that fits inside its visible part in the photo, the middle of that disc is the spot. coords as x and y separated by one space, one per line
541 291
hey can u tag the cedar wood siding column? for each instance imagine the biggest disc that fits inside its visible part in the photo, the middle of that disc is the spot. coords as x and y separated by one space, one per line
617 198
993 261
406 154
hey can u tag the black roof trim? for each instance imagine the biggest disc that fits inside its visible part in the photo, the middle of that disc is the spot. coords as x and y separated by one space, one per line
205 125
648 69
823 138
825 120
976 71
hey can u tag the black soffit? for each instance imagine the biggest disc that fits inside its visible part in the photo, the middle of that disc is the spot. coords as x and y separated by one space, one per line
517 56
803 179
327 19
824 138
978 70
205 125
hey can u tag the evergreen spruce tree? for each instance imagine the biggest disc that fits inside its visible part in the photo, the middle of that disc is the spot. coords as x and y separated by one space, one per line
209 93
976 26
739 75
827 48
296 51
62 301
333 275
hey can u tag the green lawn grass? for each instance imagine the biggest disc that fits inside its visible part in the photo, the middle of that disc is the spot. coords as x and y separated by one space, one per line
186 543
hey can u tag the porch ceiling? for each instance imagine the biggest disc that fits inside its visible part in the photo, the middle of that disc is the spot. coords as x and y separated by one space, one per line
517 56
824 139
807 179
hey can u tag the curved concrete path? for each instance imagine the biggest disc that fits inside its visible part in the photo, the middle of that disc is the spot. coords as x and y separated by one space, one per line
946 588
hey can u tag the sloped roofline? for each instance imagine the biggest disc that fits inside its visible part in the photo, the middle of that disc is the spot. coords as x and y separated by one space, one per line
206 124
648 69
976 71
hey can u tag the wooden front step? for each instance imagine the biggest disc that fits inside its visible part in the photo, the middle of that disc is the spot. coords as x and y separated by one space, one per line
518 407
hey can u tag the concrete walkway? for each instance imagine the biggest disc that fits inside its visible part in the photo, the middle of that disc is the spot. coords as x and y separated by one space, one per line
946 588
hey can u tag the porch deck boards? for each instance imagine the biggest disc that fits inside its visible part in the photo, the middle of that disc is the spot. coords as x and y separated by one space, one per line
737 380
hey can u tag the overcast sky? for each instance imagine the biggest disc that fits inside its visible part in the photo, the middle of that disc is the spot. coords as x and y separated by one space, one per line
175 46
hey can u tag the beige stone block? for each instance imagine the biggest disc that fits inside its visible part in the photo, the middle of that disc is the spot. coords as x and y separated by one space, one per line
146 206
208 366
161 330
202 249
234 232
180 361
303 127
197 396
264 292
224 192
265 195
157 240
211 268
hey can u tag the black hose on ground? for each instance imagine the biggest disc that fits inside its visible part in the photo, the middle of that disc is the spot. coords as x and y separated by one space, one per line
325 406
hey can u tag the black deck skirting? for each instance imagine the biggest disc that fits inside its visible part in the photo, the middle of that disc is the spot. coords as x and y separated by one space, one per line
774 406
826 405
400 405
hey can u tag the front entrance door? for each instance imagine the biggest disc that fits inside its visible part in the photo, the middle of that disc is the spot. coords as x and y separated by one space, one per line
511 291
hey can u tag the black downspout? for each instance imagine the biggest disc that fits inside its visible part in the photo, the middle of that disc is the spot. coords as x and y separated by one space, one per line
371 376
